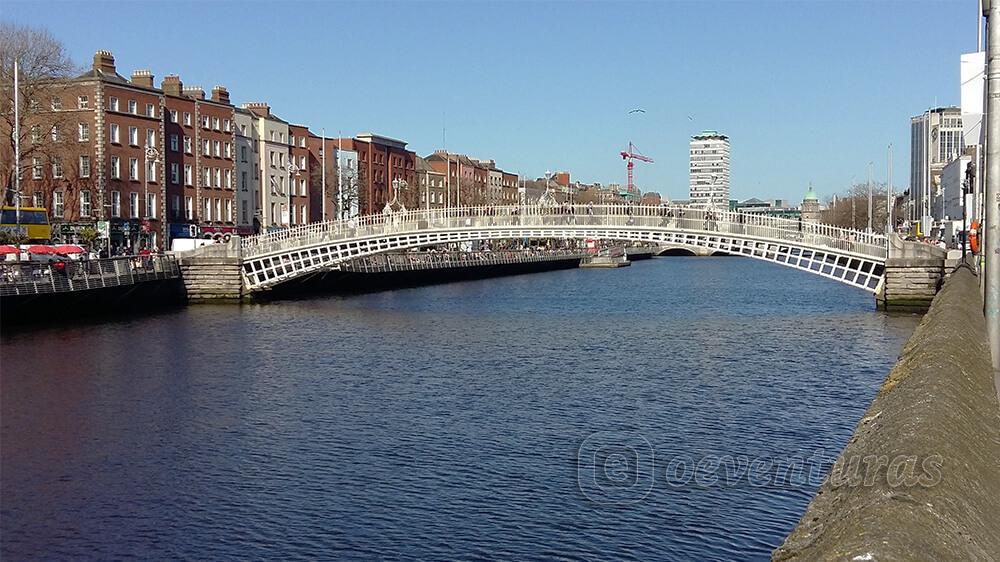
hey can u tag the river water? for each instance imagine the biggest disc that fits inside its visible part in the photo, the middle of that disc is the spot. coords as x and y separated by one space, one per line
571 415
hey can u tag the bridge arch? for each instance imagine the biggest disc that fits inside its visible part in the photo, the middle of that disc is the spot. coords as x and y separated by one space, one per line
847 256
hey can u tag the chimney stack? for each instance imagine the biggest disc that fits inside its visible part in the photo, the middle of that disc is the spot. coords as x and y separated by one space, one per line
104 62
142 78
172 85
195 92
260 109
220 94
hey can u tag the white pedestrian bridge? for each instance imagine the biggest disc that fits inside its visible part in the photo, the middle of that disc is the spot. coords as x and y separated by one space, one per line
849 256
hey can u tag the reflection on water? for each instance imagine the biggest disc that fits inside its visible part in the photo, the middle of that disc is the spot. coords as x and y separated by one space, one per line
439 422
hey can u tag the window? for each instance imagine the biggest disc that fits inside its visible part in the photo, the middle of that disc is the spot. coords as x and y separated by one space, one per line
215 123
113 103
229 210
85 210
150 110
272 158
204 122
187 119
56 104
302 162
57 168
133 107
133 136
243 154
83 132
150 205
206 209
274 210
56 135
175 173
175 207
291 140
187 144
206 148
243 180
229 178
218 178
243 209
133 205
82 102
189 208
116 204
272 136
151 170
36 134
36 168
85 166
133 169
302 187
206 177
37 199
226 126
113 133
150 138
174 144
173 115
218 148
58 206
116 171
302 142
188 175
33 105
228 150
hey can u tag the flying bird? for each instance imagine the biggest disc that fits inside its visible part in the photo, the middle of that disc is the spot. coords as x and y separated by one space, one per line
637 111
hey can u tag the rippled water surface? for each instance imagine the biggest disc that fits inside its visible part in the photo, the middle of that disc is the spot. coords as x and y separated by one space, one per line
442 422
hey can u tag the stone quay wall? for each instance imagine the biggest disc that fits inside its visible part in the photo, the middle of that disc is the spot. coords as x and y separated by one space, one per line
920 477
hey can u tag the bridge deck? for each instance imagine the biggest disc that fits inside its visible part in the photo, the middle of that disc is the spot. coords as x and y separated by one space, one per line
849 256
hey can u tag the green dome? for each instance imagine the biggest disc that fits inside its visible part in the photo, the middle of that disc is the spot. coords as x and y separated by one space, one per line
811 195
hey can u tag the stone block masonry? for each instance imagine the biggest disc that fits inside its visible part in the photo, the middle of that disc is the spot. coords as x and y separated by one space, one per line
213 273
910 283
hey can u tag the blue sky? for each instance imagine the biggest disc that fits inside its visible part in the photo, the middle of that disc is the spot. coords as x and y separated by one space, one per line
807 91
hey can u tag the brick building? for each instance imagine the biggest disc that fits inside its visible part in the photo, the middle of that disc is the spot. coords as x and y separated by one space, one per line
146 162
380 161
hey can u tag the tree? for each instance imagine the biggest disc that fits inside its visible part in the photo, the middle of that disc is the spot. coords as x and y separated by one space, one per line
850 210
44 64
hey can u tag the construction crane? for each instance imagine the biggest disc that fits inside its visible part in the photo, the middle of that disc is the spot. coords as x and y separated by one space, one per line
630 155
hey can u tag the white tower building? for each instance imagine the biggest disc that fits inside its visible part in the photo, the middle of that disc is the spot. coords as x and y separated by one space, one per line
709 170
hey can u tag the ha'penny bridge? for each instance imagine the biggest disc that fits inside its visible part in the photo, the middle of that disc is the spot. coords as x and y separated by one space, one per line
853 257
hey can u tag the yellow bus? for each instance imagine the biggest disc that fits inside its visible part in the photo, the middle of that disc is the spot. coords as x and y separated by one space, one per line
34 223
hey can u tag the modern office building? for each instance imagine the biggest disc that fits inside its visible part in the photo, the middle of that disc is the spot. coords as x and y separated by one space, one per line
935 140
709 170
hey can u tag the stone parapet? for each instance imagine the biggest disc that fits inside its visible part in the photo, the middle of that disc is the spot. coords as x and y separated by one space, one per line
920 477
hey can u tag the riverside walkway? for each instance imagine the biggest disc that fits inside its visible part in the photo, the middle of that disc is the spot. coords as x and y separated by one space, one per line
34 278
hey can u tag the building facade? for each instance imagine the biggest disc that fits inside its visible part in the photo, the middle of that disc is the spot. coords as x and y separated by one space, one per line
249 218
935 139
709 170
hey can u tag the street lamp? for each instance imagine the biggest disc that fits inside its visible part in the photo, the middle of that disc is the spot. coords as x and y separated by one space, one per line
293 170
150 155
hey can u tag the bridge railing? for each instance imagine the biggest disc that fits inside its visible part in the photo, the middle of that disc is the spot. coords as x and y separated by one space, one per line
25 278
570 217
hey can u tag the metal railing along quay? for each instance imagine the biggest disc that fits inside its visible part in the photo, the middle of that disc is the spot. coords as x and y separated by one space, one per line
29 278
413 261
573 217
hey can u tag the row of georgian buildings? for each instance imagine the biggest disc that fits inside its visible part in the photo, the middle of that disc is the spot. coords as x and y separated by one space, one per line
146 163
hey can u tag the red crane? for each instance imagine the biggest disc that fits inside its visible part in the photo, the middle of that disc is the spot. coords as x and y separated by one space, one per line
630 155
